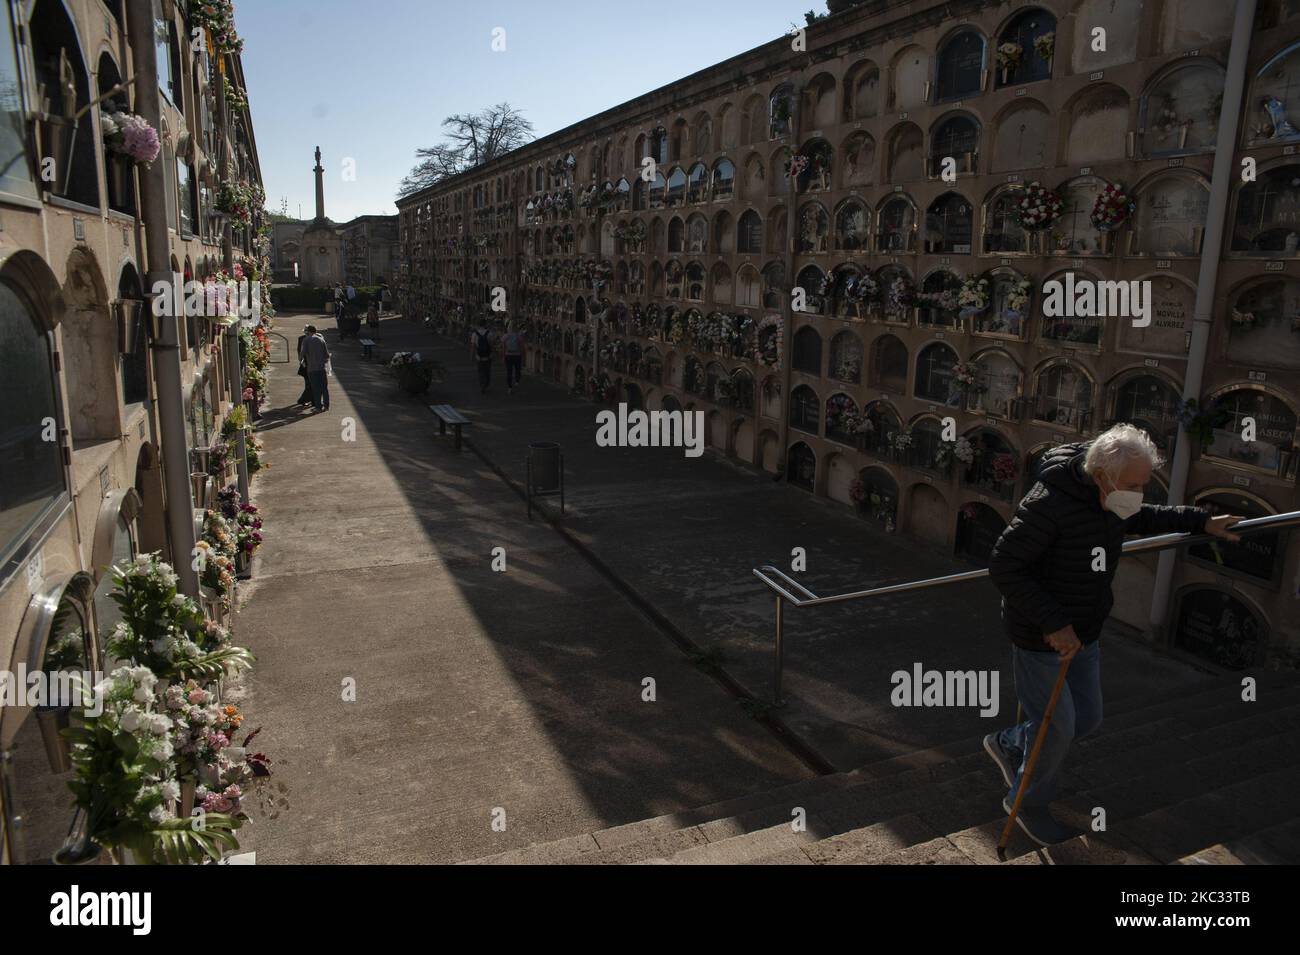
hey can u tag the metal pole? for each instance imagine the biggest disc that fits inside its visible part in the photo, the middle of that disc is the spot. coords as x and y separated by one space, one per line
778 660
167 355
1203 315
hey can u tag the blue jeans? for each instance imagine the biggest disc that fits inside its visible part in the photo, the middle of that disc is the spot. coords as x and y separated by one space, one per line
318 381
1077 714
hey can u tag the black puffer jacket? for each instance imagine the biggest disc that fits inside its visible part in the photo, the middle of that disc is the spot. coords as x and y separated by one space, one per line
1042 564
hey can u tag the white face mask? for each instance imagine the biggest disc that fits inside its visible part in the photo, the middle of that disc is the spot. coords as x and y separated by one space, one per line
1123 504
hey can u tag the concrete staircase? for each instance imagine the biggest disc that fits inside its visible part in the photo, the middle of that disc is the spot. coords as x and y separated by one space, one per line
1194 779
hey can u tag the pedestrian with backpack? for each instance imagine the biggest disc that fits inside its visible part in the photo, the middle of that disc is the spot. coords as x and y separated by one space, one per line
482 346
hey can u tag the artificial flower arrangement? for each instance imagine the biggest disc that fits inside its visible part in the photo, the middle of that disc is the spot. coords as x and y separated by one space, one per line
413 373
1004 468
956 450
900 296
1018 297
130 135
1039 207
1045 45
796 165
966 374
235 97
160 729
973 297
902 440
768 342
218 18
1010 55
841 414
1243 320
1112 208
217 558
1200 421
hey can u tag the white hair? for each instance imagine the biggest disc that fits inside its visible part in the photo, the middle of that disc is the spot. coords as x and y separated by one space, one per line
1111 450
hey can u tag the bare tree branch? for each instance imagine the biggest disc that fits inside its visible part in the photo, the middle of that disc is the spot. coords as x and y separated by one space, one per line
469 140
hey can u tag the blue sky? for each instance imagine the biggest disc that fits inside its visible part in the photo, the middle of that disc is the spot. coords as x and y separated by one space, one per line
372 80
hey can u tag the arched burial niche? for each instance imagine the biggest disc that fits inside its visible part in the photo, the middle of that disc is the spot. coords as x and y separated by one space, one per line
61 74
31 469
1170 329
1265 324
90 343
1219 626
55 638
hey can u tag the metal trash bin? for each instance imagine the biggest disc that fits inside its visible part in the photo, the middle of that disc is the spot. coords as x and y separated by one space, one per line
545 466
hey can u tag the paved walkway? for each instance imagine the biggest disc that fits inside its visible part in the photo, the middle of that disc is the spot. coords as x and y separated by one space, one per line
685 533
474 689
522 690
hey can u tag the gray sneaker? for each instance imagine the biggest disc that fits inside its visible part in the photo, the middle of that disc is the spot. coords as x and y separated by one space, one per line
1038 823
1008 763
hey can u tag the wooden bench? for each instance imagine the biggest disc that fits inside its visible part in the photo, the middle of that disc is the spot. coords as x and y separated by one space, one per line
447 415
367 348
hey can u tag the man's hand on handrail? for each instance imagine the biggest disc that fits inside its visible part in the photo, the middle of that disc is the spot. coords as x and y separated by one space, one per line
1218 527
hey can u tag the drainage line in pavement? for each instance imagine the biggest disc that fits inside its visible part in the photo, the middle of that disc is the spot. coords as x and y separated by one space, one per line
758 709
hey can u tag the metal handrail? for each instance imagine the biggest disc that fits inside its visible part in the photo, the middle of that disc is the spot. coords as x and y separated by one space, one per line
1140 545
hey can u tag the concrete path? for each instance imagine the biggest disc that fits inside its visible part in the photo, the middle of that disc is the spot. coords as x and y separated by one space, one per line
685 534
474 690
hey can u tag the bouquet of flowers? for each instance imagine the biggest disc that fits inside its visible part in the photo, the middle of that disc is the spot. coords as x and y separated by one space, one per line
858 492
1111 208
166 631
967 374
1004 468
1018 297
1200 421
1009 55
248 530
973 296
1045 45
963 451
131 136
862 288
902 440
1243 320
218 18
900 297
1039 207
796 165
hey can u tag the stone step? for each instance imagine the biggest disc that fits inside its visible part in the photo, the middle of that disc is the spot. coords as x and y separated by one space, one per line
1146 738
1233 811
973 821
1276 845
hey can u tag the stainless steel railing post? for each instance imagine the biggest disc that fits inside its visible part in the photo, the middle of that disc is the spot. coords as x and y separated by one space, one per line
778 652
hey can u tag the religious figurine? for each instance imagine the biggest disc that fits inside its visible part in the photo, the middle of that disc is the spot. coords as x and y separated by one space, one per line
1276 110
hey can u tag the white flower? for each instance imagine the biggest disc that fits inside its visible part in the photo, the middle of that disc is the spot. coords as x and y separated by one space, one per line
158 814
159 724
171 790
131 719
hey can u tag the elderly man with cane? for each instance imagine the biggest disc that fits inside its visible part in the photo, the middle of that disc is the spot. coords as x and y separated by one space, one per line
1054 565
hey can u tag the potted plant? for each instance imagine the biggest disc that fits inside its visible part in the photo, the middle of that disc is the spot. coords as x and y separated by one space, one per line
414 374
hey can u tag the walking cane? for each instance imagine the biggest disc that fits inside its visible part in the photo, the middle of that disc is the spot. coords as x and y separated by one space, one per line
1033 758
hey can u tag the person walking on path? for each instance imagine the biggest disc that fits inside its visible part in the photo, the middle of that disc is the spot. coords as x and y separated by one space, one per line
514 351
316 354
304 398
1054 565
339 301
482 343
372 321
382 297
